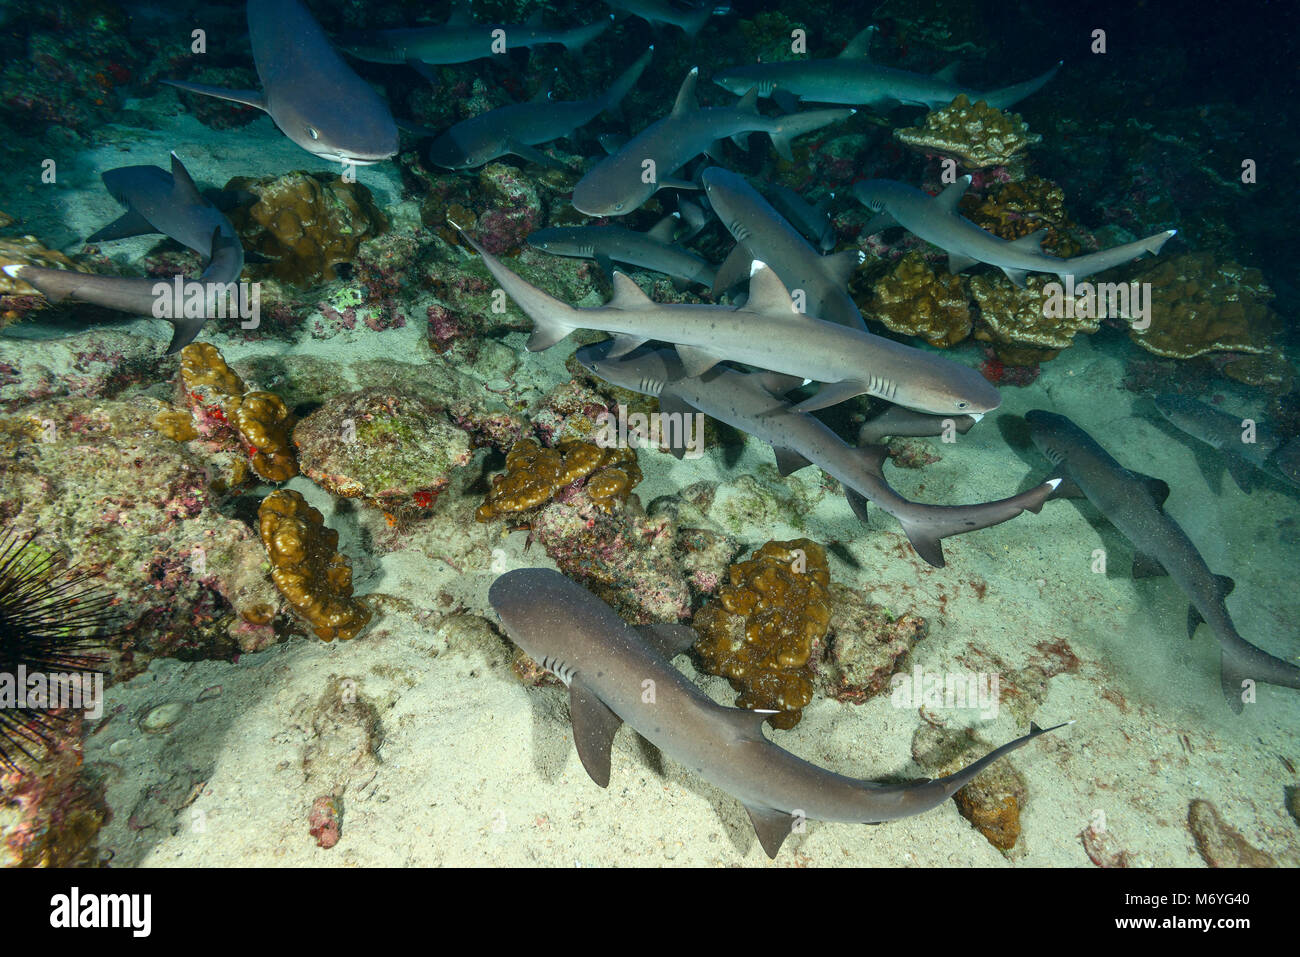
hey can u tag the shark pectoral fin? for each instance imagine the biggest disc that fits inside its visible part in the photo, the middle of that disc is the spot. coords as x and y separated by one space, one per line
1231 679
696 361
927 545
841 266
947 200
1226 585
785 101
957 262
606 265
424 69
1066 488
1242 472
621 345
676 182
858 502
733 269
627 294
679 284
772 828
533 155
128 224
741 140
670 640
594 726
830 393
252 98
1147 566
1017 276
788 461
778 384
183 333
611 143
878 224
1193 619
1158 488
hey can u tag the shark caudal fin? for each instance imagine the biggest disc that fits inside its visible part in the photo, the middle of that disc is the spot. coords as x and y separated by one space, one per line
955 782
184 331
787 128
623 85
1089 264
552 319
1010 95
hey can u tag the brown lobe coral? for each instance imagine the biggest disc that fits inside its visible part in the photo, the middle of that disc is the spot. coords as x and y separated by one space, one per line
915 300
974 134
535 474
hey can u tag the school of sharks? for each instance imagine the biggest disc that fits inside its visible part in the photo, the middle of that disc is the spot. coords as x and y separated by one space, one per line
759 341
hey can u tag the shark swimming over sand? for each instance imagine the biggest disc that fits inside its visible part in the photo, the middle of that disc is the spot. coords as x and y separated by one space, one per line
1266 451
607 664
653 249
747 401
766 332
520 127
461 39
1134 504
310 93
852 79
762 233
156 202
936 220
624 181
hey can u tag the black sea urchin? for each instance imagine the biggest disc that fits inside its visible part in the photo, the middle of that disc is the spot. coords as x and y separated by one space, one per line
50 623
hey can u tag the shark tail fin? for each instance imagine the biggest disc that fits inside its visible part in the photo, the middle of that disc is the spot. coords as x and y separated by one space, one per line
184 332
579 37
953 783
623 85
1010 95
787 128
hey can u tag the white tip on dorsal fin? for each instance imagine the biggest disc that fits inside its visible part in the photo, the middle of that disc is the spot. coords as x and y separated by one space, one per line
13 269
183 186
627 294
947 200
860 45
685 102
767 294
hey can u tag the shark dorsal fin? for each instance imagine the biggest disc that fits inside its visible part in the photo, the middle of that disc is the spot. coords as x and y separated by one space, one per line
1032 243
772 828
460 12
1158 488
949 73
767 294
670 640
627 294
860 46
841 266
749 102
664 230
685 102
183 189
947 200
594 726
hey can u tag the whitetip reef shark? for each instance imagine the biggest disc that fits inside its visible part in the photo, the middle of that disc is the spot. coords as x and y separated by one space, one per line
156 202
688 18
749 402
1134 504
520 127
607 665
619 183
936 220
813 221
766 332
310 93
1268 453
852 79
653 249
762 233
460 39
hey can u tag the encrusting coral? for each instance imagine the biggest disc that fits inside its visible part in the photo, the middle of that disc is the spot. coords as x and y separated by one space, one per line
219 401
307 223
915 300
761 630
974 134
1013 320
307 567
534 475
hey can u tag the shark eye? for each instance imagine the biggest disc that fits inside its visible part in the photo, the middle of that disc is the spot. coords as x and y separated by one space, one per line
312 133
618 205
963 404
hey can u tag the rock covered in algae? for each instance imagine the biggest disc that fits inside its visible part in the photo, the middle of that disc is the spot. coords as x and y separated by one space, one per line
1219 843
974 134
916 300
137 511
535 474
307 567
761 631
865 647
391 446
220 407
1201 304
1012 210
1014 320
307 223
993 801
